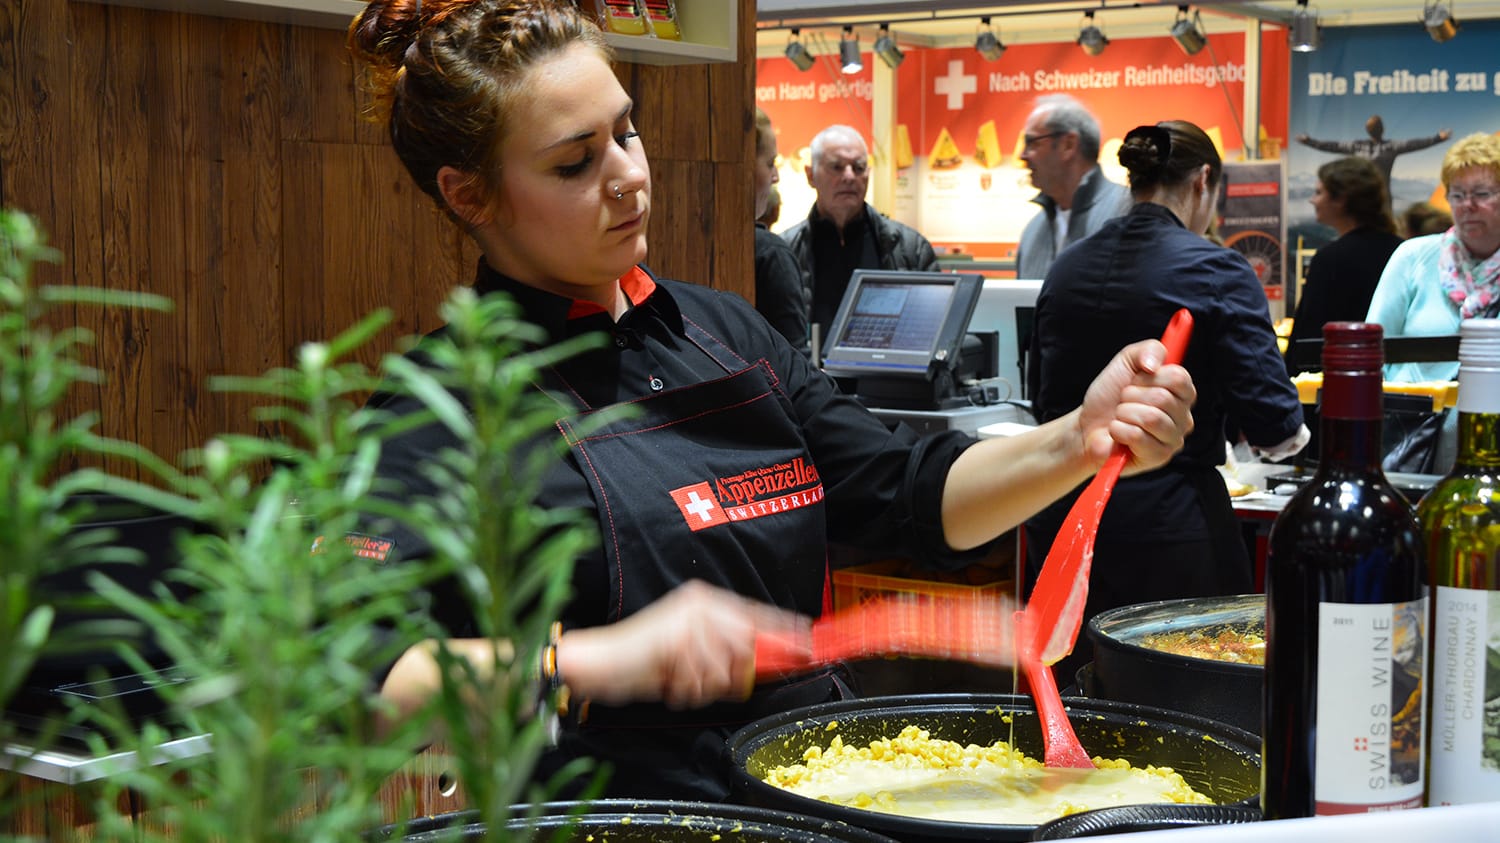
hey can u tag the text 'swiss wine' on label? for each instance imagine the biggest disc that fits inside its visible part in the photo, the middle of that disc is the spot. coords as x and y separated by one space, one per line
1371 672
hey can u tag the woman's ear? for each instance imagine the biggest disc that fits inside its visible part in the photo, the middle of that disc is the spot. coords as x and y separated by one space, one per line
464 195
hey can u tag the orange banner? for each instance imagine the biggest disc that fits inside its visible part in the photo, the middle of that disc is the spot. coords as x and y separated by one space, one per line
959 120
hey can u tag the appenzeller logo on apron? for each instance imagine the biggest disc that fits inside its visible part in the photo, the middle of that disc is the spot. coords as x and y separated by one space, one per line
751 494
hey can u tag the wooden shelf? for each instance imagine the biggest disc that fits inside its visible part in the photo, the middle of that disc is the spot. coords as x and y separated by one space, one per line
709 26
709 29
325 14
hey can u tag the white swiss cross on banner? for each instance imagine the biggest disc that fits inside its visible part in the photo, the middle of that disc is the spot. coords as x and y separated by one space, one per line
699 506
955 85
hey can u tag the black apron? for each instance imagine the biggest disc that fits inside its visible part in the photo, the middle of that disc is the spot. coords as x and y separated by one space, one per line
712 482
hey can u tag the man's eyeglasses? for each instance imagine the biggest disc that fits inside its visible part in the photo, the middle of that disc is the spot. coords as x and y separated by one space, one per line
860 167
1479 197
1033 140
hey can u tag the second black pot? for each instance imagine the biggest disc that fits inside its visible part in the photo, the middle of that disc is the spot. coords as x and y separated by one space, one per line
1125 670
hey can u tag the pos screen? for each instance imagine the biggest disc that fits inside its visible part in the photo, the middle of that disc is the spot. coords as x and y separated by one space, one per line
900 323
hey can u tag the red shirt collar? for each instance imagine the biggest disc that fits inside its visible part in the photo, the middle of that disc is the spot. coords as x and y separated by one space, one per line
637 285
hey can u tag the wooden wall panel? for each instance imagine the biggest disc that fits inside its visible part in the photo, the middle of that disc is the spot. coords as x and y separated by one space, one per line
227 165
200 307
37 132
131 343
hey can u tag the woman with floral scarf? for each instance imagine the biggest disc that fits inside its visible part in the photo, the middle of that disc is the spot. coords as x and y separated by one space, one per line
1432 283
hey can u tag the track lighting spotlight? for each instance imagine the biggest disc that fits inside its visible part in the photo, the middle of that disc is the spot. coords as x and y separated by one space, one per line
1187 32
798 54
885 47
1090 38
1439 20
849 60
987 42
1305 35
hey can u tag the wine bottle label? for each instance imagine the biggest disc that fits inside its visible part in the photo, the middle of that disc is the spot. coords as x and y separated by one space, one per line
1465 733
1370 674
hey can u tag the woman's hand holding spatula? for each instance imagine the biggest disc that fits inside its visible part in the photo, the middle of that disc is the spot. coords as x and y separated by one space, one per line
1048 627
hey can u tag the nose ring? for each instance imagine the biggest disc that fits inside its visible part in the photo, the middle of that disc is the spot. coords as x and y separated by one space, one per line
619 194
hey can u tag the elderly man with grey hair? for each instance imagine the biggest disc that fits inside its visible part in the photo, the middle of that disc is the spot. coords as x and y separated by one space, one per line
1062 151
843 232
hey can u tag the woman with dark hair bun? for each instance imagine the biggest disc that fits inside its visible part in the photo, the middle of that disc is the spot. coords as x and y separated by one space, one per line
716 498
1351 198
1168 533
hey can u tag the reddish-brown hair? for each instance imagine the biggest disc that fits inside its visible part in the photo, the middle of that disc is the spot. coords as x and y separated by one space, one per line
446 73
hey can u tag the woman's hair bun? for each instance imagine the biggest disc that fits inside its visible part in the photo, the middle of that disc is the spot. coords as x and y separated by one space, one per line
382 33
1146 150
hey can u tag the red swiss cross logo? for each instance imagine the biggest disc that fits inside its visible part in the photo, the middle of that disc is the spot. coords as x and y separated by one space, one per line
1361 744
699 507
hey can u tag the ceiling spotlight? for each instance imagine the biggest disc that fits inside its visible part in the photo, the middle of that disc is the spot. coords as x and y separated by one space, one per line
798 54
849 52
987 42
885 47
1305 34
1090 38
1440 23
1187 32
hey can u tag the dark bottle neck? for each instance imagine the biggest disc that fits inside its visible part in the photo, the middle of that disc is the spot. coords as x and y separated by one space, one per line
1352 414
1350 443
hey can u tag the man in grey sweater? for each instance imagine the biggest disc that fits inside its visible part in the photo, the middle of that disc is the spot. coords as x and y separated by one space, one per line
1062 151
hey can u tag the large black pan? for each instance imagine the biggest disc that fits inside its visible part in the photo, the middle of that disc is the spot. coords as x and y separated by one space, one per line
1125 670
626 821
1218 760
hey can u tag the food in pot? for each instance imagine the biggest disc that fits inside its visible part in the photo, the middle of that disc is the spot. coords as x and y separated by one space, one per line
1241 646
917 775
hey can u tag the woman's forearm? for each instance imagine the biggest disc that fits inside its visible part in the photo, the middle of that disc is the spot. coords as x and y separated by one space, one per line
999 483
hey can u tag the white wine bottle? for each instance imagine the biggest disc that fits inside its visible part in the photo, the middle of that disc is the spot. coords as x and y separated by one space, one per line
1461 520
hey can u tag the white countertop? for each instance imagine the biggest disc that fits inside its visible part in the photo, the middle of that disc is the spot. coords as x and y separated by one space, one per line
74 768
1456 824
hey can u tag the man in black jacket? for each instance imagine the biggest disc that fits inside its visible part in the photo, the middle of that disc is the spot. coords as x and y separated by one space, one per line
842 232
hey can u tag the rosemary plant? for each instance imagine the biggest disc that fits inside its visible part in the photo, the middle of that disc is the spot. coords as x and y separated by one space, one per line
276 622
38 366
287 623
514 559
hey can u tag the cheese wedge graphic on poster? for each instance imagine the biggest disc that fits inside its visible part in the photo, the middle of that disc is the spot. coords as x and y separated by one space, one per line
1217 136
904 157
987 147
945 154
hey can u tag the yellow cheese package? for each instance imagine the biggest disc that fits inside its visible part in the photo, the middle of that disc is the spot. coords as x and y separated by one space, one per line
945 154
625 17
987 146
904 156
663 17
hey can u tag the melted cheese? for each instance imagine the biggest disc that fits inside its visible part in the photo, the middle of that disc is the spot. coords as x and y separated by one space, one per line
916 775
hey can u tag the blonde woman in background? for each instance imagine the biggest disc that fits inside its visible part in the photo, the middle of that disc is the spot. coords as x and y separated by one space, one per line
1434 282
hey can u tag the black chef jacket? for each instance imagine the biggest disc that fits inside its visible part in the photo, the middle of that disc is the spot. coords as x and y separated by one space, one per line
1340 282
1167 533
878 489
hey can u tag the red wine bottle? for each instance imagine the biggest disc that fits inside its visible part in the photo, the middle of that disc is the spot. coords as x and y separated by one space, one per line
1461 517
1346 613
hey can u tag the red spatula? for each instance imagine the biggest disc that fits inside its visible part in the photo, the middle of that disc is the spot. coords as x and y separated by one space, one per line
977 628
1048 627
